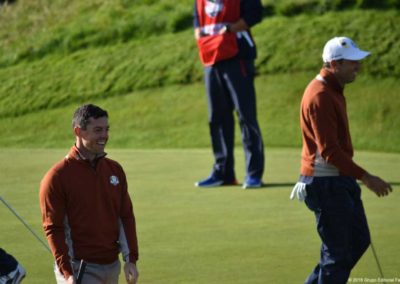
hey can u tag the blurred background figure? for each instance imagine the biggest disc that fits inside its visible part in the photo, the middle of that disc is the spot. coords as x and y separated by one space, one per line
227 51
11 272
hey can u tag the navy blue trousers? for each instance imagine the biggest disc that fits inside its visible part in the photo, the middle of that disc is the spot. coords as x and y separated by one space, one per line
7 263
230 86
341 224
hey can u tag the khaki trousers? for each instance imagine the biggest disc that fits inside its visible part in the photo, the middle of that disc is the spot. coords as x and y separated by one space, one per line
94 273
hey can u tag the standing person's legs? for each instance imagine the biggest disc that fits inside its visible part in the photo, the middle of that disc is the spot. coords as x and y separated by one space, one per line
221 123
360 230
334 202
239 78
94 273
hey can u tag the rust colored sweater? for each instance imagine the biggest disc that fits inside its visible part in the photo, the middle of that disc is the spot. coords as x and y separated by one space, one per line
325 129
87 212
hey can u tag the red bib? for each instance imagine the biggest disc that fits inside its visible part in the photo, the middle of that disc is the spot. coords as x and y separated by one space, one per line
213 15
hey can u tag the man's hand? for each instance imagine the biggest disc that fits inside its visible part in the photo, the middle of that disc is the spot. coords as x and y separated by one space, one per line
376 184
238 26
197 33
70 280
131 273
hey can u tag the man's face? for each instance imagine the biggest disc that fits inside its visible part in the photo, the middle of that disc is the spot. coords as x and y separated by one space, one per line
346 70
94 138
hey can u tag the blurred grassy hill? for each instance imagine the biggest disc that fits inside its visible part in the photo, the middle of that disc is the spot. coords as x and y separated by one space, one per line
139 58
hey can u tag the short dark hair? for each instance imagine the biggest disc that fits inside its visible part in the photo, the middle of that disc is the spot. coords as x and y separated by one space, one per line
326 65
84 113
329 65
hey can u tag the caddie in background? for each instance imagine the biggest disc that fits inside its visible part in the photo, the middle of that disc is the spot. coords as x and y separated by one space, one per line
227 51
328 173
86 209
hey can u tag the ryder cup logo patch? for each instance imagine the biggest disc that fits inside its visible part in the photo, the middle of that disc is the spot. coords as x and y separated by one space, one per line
213 7
114 180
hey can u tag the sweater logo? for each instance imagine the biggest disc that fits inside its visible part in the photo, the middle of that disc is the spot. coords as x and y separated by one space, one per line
114 180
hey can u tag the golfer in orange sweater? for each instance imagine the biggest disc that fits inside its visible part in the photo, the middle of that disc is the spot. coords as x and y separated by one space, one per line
328 173
86 209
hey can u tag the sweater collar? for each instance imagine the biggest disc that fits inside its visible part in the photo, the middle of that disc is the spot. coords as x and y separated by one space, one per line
331 80
76 155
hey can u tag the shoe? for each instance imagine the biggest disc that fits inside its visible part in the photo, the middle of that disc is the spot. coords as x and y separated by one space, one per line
212 181
14 277
252 183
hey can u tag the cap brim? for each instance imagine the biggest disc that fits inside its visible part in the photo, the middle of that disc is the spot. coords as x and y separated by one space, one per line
357 55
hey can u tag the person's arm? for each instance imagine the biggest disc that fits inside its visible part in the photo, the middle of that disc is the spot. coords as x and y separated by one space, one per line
197 34
376 184
128 236
131 273
237 26
196 22
323 121
251 12
71 280
52 205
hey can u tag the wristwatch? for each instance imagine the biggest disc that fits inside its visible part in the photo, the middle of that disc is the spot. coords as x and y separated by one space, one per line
226 28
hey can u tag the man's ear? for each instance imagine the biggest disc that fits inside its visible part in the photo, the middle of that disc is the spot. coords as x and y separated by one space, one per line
335 64
77 131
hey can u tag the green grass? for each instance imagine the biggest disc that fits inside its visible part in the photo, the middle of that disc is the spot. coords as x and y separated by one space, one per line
176 117
150 79
115 68
190 235
138 60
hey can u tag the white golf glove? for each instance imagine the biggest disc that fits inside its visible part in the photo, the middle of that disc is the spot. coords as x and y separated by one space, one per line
299 191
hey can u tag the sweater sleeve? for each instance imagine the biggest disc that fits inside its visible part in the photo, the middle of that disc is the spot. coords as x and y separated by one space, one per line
127 235
324 124
52 205
251 11
196 23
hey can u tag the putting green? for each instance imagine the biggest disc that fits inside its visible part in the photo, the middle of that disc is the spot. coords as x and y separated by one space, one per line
192 235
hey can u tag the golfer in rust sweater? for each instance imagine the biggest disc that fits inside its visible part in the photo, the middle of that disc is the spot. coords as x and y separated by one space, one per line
328 173
86 209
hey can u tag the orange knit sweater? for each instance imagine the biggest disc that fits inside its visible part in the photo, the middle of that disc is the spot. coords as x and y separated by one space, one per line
325 127
87 212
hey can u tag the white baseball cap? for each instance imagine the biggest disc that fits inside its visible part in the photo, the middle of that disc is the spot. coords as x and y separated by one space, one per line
342 48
